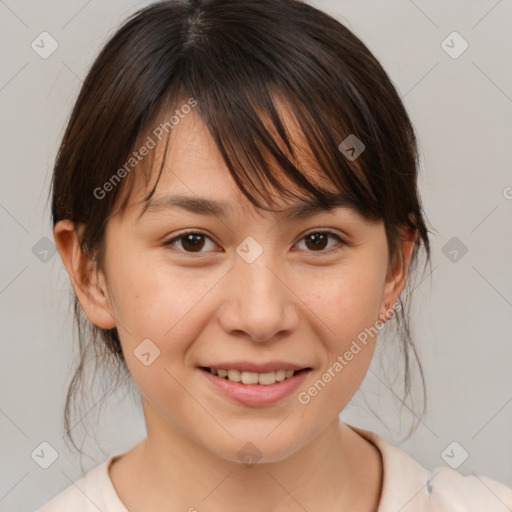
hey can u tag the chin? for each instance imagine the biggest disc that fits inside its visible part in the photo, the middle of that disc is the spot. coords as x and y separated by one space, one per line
252 452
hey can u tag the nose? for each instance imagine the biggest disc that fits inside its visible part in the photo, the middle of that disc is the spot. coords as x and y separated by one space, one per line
258 302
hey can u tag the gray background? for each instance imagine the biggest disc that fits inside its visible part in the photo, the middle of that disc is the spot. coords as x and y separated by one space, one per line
461 110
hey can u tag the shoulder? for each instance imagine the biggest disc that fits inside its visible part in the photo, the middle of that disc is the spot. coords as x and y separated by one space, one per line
472 493
92 492
409 487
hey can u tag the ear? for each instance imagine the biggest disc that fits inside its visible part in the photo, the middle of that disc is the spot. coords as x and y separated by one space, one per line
397 274
89 283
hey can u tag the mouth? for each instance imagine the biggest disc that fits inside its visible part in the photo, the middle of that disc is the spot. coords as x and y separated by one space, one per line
254 378
255 389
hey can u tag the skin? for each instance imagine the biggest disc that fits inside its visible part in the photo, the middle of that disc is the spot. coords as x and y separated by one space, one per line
293 303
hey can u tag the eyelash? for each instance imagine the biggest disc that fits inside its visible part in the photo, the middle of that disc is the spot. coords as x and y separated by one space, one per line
337 247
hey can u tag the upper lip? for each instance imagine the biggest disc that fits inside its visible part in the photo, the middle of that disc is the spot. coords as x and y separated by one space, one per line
247 366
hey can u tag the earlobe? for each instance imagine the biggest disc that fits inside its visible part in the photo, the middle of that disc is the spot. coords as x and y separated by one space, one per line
397 278
89 283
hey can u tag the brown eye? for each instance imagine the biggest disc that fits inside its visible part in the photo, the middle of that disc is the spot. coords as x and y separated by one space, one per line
194 242
317 241
191 242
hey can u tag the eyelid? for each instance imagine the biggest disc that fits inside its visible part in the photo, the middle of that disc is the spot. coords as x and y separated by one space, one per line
176 237
325 231
322 230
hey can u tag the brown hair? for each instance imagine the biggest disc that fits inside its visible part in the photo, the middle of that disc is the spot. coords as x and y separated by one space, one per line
233 58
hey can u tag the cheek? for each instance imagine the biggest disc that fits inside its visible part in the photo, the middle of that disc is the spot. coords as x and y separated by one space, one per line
345 305
165 305
347 299
153 299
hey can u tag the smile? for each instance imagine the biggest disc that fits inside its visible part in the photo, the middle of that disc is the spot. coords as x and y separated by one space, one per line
245 377
253 388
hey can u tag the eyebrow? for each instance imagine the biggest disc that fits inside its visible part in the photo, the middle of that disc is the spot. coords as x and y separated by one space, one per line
215 208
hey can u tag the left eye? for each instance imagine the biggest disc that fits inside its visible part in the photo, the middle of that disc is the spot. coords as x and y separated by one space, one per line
193 241
318 241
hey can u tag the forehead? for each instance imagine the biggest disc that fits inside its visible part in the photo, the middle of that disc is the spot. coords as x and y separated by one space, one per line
193 165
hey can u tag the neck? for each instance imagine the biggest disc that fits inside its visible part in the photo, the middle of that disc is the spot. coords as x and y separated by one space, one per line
338 469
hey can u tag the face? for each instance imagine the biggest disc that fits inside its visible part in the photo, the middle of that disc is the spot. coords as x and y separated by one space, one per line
246 290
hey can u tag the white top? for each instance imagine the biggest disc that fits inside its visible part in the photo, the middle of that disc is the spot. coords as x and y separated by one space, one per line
407 487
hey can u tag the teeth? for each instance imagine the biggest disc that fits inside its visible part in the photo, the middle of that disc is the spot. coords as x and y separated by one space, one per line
233 375
249 377
264 379
280 375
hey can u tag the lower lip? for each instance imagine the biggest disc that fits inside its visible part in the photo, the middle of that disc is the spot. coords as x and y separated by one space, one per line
256 394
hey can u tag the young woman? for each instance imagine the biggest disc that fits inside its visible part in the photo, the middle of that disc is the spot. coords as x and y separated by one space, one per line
235 201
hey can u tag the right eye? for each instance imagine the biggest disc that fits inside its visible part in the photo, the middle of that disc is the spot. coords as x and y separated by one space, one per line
190 241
